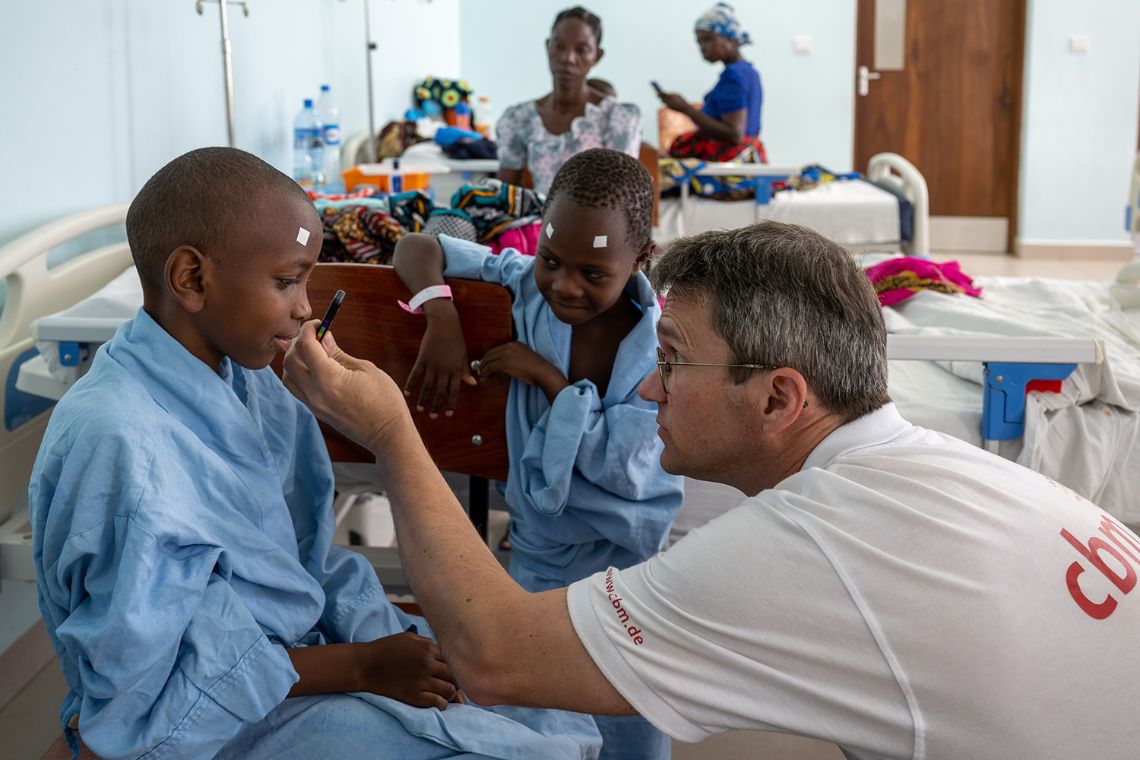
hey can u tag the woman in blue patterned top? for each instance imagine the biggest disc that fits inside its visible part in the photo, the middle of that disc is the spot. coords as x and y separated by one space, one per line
539 135
728 123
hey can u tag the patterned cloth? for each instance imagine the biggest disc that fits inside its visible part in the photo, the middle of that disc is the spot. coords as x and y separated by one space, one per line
452 222
362 233
674 171
411 209
364 191
896 280
494 206
721 19
524 142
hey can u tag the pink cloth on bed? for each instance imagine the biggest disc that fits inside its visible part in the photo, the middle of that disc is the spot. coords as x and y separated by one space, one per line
523 239
896 280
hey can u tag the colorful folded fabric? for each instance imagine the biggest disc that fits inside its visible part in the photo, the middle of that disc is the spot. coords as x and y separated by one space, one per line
896 280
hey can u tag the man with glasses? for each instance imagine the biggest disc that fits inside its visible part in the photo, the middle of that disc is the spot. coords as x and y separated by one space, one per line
887 588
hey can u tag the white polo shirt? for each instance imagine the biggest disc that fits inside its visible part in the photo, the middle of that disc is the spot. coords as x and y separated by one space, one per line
904 595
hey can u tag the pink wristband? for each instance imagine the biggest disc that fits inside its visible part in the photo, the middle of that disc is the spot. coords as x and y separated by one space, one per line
415 306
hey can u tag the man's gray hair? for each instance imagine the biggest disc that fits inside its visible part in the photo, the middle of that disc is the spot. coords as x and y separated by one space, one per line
784 296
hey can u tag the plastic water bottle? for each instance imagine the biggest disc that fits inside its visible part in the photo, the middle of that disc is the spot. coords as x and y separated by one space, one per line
485 117
308 147
329 116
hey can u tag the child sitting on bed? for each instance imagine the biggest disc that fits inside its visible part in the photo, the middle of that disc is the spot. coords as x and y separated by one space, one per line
585 489
182 522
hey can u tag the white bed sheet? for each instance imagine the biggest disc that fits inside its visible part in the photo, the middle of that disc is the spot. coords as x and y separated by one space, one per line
848 212
1087 436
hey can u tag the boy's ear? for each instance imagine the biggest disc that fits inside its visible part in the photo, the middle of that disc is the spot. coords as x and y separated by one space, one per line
184 277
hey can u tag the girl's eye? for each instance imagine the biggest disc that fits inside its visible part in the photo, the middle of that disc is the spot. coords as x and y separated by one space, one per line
548 261
595 276
286 282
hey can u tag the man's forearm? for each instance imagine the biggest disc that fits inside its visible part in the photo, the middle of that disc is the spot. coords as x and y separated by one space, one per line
455 578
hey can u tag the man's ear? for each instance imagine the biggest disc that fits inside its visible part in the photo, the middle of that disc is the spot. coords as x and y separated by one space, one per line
781 398
184 277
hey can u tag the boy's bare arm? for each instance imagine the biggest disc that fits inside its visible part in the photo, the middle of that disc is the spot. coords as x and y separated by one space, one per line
504 645
403 666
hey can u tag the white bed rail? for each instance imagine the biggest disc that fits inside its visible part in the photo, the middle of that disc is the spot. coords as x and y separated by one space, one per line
893 168
34 291
990 348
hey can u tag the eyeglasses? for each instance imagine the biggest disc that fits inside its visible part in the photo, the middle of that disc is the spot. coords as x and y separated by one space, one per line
666 367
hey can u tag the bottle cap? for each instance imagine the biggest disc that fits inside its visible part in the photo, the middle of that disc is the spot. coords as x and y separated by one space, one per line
308 102
324 88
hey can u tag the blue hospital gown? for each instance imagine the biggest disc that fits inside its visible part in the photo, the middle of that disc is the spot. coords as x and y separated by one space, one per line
585 487
182 535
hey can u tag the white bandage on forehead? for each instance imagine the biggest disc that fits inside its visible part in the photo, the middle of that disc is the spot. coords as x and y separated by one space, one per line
302 236
599 241
549 230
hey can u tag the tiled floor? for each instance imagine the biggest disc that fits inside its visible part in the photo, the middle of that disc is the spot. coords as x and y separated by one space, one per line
31 686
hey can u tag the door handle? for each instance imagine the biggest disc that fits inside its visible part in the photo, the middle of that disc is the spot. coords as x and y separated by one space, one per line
865 77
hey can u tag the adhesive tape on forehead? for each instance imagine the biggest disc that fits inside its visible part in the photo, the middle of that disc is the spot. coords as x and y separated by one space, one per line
302 236
600 241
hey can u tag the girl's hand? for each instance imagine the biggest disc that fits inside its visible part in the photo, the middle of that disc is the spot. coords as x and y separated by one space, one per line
519 361
440 369
409 668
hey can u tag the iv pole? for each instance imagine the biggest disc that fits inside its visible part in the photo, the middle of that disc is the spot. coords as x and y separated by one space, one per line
370 48
227 64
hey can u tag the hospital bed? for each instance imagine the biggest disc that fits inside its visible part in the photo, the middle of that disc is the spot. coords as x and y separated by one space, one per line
987 410
870 213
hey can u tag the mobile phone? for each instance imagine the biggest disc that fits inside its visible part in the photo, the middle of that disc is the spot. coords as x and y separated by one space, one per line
330 314
656 86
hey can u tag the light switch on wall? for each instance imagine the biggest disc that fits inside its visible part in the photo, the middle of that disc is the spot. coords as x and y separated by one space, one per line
801 44
1079 43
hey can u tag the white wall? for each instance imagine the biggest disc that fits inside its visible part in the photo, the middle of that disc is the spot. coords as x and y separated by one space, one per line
808 99
1079 121
96 96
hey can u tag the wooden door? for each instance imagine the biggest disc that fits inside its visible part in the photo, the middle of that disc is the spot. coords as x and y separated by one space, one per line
954 108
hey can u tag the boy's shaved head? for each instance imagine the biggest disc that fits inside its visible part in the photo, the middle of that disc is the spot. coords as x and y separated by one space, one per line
197 200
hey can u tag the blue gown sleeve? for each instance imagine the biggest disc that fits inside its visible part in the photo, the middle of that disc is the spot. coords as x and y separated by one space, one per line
615 449
472 261
167 658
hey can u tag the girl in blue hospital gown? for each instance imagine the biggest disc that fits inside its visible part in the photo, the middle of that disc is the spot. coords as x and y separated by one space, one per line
182 536
585 486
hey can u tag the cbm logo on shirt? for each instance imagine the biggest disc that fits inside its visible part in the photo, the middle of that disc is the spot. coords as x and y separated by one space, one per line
1115 541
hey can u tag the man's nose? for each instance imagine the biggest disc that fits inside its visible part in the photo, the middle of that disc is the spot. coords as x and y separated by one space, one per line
651 388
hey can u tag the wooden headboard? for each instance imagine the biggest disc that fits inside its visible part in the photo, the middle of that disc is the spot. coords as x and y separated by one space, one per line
372 326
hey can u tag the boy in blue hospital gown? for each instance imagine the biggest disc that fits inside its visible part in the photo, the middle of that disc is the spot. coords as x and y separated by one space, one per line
585 487
182 523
